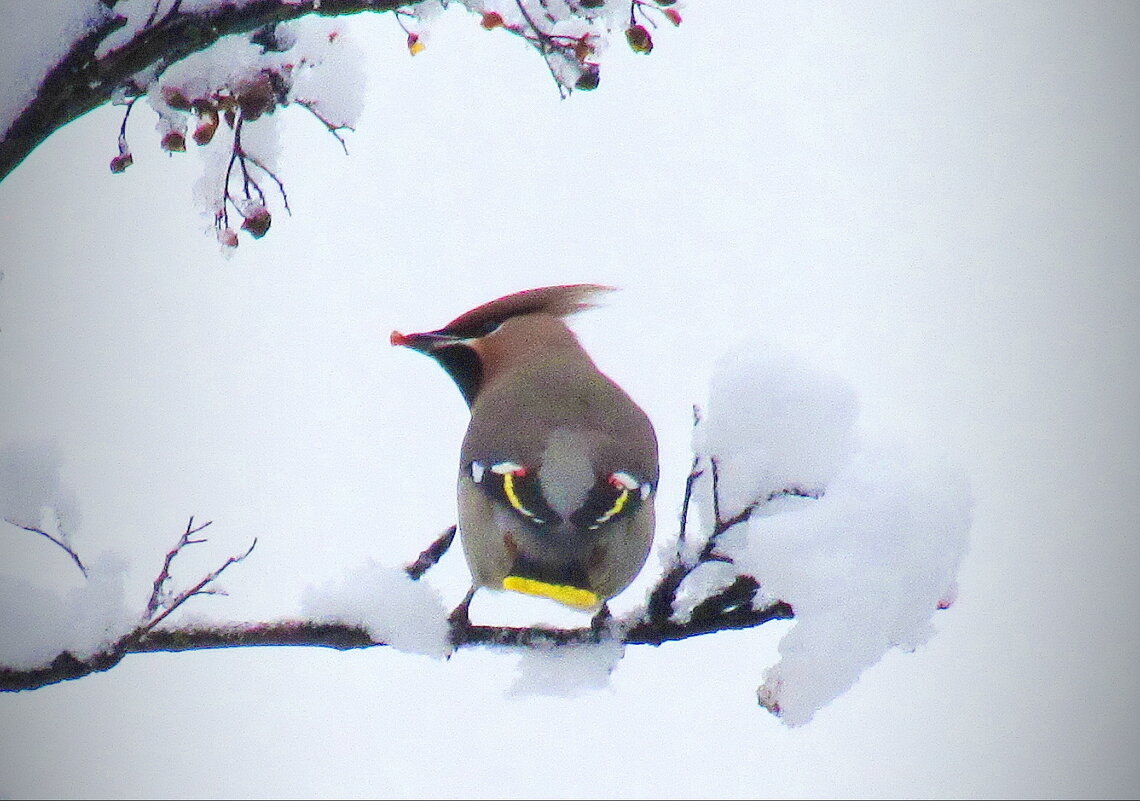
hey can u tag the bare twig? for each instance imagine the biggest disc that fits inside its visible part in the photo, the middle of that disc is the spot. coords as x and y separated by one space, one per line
123 148
163 576
201 588
430 555
170 12
715 466
694 474
280 186
57 540
330 127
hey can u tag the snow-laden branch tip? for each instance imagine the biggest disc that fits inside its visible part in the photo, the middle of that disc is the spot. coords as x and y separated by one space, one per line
92 620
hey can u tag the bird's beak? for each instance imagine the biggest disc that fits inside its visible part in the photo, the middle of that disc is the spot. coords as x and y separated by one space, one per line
424 342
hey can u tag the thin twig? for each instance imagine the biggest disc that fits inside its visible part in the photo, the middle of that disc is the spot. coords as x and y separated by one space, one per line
164 575
123 148
280 186
715 495
226 198
57 540
170 12
430 555
197 589
545 44
333 129
694 474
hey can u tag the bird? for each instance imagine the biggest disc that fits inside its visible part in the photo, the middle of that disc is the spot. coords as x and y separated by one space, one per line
558 468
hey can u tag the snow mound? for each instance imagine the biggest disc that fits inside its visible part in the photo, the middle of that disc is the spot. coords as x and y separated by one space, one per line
864 565
567 670
37 624
772 421
407 615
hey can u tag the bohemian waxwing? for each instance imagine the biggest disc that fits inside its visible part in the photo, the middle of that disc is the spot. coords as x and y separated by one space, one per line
558 468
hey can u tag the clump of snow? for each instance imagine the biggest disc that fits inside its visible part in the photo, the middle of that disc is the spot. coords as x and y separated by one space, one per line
330 79
865 564
208 192
408 615
706 580
31 494
772 422
567 670
36 624
864 568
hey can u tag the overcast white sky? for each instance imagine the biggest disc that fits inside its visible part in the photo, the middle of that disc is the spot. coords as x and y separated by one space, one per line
939 202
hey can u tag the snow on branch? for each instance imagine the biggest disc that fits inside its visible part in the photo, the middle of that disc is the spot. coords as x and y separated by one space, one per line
162 602
210 63
787 514
403 614
404 618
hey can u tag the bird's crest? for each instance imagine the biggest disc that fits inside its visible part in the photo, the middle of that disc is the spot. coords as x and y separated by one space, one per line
559 301
450 345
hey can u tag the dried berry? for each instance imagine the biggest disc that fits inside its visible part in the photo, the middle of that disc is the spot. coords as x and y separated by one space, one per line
174 142
589 78
121 162
257 223
639 39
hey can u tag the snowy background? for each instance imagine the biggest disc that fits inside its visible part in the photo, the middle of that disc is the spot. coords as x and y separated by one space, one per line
937 206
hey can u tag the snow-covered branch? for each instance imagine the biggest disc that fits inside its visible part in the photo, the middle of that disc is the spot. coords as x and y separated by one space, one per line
346 636
786 514
98 65
160 605
213 62
727 609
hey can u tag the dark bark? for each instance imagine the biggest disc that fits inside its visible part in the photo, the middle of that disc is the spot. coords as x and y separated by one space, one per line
343 637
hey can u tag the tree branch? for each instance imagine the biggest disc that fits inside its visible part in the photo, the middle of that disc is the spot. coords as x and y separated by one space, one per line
430 555
80 82
155 600
344 637
730 608
160 604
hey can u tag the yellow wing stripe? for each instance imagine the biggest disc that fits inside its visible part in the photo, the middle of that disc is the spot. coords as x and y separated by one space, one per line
619 504
512 496
571 596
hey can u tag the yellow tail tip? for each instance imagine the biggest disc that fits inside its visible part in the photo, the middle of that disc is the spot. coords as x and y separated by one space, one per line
571 596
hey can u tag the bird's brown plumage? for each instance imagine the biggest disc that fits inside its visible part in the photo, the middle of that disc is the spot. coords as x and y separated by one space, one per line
558 468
